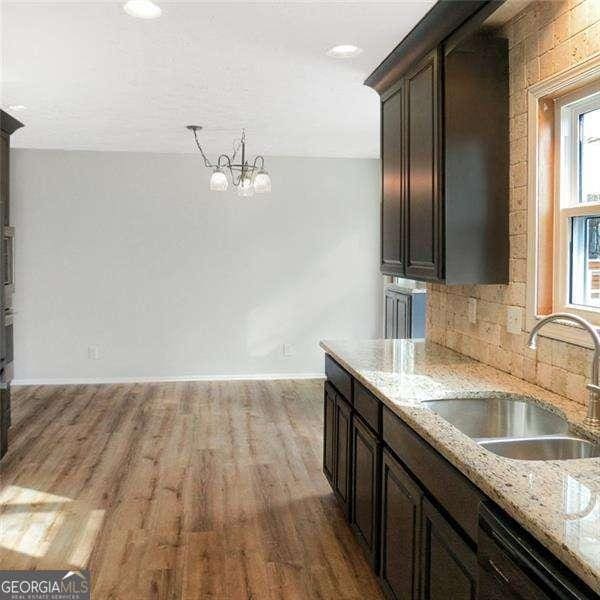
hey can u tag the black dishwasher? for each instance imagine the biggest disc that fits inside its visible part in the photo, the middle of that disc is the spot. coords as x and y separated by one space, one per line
513 565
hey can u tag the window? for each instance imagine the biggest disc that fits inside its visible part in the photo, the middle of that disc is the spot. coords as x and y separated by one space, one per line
577 204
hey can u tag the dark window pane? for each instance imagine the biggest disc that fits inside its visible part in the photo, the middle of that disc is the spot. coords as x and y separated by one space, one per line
585 261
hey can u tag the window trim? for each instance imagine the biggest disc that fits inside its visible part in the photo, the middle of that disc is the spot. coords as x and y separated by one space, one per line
564 82
565 117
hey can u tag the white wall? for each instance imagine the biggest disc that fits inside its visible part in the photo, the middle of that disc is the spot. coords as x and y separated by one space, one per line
132 253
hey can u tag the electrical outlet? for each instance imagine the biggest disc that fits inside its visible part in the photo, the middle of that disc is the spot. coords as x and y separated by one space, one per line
93 352
514 319
288 350
472 310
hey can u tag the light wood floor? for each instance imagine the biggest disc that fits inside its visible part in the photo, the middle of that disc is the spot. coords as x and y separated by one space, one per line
179 491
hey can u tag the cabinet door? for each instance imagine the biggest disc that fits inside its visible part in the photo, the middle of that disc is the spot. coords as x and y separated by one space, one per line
400 530
423 181
365 488
448 564
392 246
403 317
4 417
342 452
4 220
329 433
391 316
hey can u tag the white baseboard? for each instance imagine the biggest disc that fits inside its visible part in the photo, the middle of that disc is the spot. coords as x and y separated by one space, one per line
107 380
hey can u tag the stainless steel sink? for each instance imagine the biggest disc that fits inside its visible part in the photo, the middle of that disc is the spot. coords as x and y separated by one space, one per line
514 427
543 448
511 417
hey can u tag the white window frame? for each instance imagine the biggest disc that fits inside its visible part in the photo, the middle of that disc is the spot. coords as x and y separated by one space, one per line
574 78
568 109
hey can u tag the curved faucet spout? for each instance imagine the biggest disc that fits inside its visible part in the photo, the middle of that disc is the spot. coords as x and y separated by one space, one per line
593 415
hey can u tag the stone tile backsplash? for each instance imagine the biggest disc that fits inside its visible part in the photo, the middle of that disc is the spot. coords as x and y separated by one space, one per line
545 38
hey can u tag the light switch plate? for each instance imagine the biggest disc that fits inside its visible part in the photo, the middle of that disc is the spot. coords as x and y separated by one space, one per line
472 310
288 350
514 319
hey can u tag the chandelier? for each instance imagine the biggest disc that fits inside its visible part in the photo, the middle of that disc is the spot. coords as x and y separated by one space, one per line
246 177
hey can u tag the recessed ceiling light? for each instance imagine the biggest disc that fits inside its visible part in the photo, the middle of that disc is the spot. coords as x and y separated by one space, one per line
142 9
344 51
17 107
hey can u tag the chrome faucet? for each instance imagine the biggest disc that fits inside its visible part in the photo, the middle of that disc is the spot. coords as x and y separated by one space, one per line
593 413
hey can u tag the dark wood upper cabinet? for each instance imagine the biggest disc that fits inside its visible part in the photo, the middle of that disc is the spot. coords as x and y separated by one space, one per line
444 145
476 160
422 174
392 199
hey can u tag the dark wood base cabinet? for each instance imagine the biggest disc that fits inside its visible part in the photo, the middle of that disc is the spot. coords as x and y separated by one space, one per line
425 528
401 500
448 563
336 445
366 458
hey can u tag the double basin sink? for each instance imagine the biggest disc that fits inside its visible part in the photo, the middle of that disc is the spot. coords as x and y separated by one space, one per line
514 427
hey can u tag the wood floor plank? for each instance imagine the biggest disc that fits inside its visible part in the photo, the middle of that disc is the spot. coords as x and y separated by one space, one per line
178 491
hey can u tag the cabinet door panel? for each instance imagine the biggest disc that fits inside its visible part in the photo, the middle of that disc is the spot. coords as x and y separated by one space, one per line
391 329
342 452
365 487
423 198
392 247
448 564
403 317
329 433
400 529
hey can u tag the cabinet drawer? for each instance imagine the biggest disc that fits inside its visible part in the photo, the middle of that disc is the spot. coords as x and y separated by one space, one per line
340 378
459 497
367 406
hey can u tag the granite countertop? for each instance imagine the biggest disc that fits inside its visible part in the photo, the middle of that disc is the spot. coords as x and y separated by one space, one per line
556 501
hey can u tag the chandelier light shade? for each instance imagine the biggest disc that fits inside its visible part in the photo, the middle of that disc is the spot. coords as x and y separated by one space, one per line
246 177
218 181
142 9
262 182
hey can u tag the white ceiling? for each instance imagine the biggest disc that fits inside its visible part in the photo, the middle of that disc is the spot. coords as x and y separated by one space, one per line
94 78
